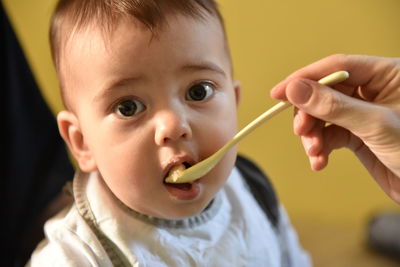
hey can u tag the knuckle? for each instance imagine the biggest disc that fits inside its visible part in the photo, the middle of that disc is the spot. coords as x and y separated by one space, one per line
338 56
340 59
331 106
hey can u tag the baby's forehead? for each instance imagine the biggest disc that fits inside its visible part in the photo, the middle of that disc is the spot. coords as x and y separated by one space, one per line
124 38
98 36
108 30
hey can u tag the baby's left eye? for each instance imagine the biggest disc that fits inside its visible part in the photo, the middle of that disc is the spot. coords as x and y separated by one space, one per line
199 92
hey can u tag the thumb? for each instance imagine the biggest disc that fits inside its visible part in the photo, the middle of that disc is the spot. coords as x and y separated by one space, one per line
329 105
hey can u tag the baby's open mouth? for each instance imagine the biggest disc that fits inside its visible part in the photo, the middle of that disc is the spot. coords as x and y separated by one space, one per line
175 171
182 191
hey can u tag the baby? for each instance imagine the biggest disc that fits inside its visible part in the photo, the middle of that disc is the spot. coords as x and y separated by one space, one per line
148 85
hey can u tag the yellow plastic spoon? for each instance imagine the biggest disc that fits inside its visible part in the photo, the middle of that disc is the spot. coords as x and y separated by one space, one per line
179 174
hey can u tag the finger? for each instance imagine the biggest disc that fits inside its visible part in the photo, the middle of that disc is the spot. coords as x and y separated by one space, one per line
307 143
303 123
350 90
371 73
336 137
329 105
278 91
318 162
313 140
313 143
331 137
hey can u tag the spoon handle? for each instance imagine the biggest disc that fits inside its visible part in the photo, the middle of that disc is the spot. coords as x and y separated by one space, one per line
331 79
212 161
281 106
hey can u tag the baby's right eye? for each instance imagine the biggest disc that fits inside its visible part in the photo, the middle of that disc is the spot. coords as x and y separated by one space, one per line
129 107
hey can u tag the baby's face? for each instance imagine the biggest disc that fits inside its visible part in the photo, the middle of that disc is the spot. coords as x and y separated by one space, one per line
147 103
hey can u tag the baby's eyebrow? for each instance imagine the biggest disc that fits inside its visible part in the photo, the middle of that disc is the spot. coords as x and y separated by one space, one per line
208 66
115 84
201 66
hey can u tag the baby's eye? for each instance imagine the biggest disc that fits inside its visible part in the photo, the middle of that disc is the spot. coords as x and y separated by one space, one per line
129 107
199 92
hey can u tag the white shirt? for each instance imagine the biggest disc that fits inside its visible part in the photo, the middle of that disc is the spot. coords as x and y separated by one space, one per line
232 231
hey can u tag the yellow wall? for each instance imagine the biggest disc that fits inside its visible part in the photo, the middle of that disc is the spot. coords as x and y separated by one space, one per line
269 40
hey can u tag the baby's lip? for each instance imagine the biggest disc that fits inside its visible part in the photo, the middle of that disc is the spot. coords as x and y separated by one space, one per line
176 160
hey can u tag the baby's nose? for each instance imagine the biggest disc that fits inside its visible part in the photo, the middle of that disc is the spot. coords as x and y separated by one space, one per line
171 125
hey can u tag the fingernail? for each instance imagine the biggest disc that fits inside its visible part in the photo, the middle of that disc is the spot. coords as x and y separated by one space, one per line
302 92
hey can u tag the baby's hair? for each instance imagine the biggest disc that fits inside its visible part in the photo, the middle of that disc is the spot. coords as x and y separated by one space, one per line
74 15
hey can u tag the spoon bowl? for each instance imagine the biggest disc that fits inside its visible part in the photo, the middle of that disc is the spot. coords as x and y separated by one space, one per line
182 175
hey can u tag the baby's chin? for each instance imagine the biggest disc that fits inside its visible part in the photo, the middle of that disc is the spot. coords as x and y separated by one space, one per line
183 211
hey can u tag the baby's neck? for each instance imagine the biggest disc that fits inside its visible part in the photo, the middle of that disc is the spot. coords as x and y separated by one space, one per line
207 214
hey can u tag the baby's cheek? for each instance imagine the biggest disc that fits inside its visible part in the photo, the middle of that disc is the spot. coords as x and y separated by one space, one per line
215 136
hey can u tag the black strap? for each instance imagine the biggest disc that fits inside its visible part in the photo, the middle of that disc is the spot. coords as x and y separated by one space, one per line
261 188
35 163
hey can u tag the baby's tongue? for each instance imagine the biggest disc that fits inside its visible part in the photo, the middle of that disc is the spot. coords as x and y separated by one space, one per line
183 186
184 191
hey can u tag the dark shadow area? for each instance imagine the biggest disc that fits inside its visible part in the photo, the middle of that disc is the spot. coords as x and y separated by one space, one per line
35 165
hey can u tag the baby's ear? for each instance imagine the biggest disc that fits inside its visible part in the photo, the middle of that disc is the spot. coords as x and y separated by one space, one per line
70 130
237 88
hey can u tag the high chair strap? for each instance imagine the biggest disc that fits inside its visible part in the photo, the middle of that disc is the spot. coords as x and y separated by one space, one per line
264 193
261 188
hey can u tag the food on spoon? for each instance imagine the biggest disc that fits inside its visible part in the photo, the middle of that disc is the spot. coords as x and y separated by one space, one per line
176 172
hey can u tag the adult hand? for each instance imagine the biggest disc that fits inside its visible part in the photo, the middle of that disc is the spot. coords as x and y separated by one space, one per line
363 113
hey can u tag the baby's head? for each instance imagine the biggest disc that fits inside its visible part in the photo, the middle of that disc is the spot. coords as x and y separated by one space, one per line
147 85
